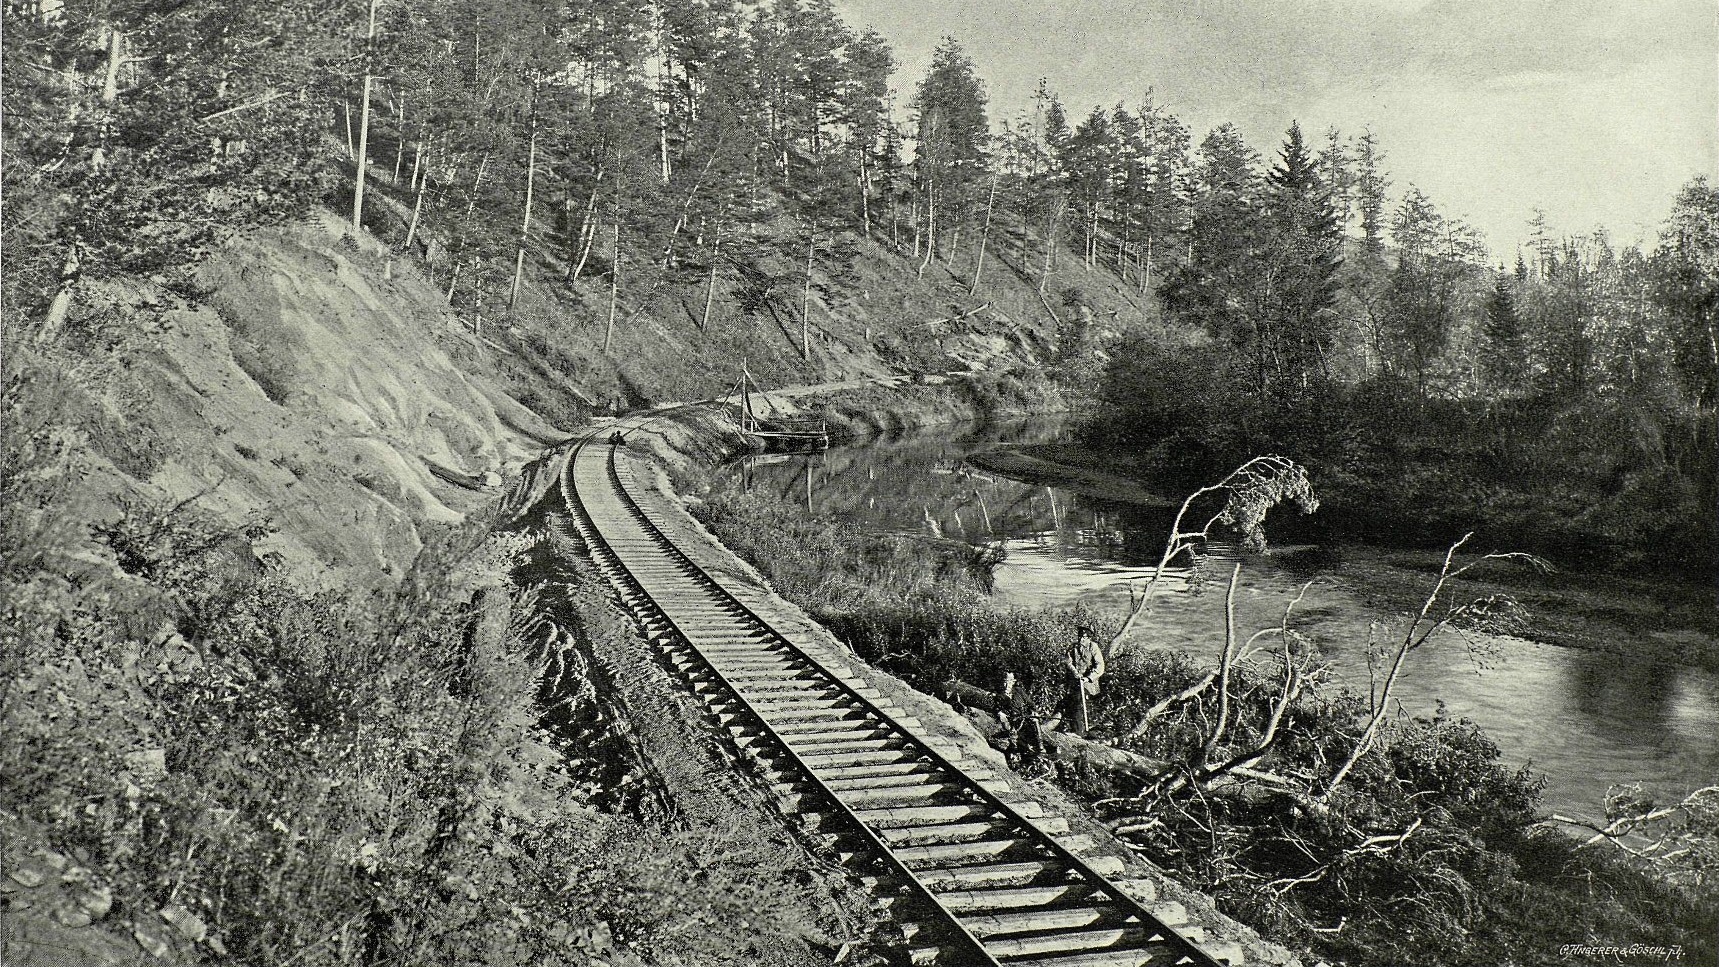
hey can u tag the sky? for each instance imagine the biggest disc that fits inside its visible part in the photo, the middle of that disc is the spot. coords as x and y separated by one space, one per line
1596 111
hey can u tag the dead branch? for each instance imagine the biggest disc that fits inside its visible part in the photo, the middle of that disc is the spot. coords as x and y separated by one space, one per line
1371 845
955 318
268 98
1420 630
1251 490
1680 838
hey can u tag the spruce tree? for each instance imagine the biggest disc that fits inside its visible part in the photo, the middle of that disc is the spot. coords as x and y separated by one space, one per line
1370 185
1504 362
1304 251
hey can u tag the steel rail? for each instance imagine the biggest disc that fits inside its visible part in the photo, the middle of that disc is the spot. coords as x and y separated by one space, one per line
595 539
1177 948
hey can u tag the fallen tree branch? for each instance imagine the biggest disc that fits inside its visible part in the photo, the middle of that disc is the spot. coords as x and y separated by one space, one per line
268 98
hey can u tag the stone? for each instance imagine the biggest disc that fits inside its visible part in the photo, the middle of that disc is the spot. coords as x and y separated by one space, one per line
187 923
147 763
1226 951
151 940
1171 913
97 902
69 913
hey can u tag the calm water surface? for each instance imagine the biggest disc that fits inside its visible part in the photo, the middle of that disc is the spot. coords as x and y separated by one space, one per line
1583 719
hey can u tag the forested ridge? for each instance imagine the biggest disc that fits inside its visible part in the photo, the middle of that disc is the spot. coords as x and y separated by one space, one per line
731 148
610 190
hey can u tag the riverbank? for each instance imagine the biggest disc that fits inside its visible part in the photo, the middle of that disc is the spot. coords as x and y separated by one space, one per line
1625 613
1638 618
691 437
898 603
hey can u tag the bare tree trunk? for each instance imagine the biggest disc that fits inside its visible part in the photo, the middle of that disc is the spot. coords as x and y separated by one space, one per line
865 195
417 207
363 128
525 222
417 163
806 299
984 237
400 143
1226 663
710 285
614 284
115 57
1050 246
918 230
588 228
930 229
61 306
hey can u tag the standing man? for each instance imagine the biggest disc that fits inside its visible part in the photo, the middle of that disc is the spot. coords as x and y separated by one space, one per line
1085 668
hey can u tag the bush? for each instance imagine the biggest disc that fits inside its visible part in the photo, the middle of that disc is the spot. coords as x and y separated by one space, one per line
914 606
324 777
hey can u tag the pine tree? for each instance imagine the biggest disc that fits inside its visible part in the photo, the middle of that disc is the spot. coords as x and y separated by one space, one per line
953 135
1218 287
1088 161
864 113
1166 208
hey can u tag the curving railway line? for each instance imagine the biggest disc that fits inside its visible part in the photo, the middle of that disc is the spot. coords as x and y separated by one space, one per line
975 878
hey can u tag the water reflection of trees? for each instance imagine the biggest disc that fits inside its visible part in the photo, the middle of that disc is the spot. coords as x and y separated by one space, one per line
923 484
1615 694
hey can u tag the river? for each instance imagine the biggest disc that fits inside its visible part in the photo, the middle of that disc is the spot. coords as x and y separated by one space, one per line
1583 719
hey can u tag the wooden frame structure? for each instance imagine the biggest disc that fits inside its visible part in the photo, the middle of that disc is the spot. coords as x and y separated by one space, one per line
776 432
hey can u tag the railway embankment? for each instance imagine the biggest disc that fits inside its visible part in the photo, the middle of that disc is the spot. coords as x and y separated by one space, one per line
667 449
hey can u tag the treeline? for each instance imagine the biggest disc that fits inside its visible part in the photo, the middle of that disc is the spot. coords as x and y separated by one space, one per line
626 146
726 153
596 133
1563 404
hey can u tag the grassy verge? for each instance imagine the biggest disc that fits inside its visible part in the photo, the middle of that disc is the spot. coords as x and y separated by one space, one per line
1476 880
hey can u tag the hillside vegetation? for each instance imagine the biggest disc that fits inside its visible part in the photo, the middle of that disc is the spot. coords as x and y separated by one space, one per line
292 287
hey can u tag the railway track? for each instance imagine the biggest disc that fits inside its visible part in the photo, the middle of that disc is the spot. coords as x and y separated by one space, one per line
974 879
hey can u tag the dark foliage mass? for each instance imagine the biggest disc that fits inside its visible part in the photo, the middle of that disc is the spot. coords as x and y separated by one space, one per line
1564 406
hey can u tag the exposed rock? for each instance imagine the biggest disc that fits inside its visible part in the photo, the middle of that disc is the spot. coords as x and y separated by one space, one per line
152 939
189 925
147 763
